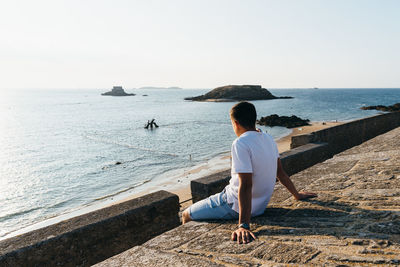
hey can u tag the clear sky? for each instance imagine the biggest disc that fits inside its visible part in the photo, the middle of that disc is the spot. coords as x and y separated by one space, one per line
199 44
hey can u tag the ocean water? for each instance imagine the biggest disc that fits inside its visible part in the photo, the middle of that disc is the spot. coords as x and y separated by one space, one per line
59 148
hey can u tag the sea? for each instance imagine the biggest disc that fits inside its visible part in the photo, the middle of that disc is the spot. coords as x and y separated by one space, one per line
66 151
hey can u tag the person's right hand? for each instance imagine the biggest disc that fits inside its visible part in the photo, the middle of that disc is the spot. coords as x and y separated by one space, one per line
242 236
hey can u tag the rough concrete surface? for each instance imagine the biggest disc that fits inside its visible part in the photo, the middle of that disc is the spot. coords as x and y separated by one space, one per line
354 221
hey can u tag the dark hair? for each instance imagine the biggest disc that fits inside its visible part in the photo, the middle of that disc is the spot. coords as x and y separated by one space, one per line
245 114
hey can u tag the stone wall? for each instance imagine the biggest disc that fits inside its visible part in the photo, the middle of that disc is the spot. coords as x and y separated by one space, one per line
301 158
310 149
344 136
95 236
209 185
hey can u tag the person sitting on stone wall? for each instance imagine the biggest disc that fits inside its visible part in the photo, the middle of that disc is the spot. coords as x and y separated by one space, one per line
255 167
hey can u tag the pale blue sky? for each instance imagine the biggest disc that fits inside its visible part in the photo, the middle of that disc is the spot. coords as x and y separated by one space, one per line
199 44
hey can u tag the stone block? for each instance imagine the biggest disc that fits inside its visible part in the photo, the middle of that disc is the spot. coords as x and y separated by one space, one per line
93 237
146 257
301 158
178 236
285 253
362 259
206 186
236 261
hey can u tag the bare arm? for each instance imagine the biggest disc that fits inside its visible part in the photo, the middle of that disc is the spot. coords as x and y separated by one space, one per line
285 180
244 196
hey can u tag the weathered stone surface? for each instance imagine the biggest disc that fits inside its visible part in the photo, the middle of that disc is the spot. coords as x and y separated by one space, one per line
354 221
363 259
323 241
236 93
146 257
285 253
236 261
179 236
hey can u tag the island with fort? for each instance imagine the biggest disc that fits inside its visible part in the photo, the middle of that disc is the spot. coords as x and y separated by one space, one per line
232 93
117 91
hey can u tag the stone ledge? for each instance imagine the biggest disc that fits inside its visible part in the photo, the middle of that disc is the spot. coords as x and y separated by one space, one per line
93 237
347 135
209 185
301 158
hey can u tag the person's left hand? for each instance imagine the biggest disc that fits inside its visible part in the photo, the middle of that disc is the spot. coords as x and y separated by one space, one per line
305 195
242 236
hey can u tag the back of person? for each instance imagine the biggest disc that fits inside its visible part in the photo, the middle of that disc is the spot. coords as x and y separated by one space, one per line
255 168
254 152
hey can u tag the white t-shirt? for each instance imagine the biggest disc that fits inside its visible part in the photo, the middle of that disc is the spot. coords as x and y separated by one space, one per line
256 153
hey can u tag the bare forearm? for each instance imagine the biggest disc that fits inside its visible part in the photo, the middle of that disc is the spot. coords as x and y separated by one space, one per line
244 204
285 180
244 197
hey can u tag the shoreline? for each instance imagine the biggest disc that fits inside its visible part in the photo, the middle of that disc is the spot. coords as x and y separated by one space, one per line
178 182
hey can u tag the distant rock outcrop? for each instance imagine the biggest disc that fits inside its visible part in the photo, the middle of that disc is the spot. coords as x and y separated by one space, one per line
392 108
117 91
236 93
285 121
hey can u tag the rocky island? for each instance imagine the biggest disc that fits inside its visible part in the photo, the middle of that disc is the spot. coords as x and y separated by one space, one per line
392 108
236 93
285 121
117 91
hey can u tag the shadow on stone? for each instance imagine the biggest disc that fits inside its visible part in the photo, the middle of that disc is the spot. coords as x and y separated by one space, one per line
329 219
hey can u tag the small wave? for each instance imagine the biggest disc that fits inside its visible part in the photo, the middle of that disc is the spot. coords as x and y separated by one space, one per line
70 104
59 204
124 190
16 214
